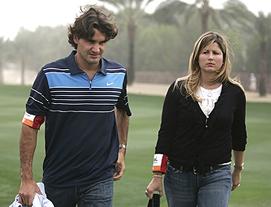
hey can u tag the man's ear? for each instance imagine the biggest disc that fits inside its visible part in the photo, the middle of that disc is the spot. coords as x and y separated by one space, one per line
75 39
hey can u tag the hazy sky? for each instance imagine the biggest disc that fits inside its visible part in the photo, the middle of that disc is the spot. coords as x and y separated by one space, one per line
28 14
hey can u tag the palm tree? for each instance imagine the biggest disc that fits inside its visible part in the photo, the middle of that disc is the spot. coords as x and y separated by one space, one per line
205 11
130 11
263 30
172 10
24 49
1 61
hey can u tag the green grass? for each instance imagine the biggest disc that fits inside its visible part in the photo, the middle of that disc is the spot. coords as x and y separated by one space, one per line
256 184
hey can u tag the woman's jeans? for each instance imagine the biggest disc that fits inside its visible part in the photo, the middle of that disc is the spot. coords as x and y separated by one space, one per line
99 194
186 189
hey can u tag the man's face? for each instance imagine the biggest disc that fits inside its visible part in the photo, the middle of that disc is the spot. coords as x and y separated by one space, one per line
89 52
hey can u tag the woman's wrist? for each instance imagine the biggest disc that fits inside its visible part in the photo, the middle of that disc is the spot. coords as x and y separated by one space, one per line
155 176
239 167
158 175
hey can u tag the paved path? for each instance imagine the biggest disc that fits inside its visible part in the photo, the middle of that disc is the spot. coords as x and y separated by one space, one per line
161 89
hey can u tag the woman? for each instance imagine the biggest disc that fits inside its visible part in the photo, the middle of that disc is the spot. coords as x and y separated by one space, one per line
203 121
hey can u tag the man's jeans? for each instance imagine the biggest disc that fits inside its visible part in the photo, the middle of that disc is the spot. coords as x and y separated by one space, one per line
187 189
99 194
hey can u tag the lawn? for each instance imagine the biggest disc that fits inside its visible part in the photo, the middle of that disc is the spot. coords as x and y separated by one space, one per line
255 189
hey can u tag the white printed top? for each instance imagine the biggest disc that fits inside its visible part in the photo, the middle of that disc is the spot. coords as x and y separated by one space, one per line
208 99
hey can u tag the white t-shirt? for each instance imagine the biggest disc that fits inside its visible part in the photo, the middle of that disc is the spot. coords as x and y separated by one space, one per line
208 99
40 200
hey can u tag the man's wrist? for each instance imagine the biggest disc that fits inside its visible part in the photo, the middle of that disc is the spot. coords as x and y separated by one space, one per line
122 146
26 175
122 149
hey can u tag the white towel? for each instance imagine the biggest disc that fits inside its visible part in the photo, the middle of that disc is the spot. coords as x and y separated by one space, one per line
40 200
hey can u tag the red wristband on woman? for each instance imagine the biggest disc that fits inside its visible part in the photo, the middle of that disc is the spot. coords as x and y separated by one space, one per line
160 163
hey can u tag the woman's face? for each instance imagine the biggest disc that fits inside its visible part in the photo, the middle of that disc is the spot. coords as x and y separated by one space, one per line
211 58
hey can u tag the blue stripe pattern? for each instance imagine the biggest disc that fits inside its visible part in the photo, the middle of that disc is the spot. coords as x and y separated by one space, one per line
65 80
75 92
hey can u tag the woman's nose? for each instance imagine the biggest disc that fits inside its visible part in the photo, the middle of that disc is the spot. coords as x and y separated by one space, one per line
211 55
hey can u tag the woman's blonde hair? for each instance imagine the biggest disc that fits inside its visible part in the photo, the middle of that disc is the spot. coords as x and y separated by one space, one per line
191 82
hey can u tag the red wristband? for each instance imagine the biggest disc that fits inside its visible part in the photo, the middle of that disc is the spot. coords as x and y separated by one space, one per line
160 163
32 120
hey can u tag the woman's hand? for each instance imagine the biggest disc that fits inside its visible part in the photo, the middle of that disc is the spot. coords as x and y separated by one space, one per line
236 178
156 185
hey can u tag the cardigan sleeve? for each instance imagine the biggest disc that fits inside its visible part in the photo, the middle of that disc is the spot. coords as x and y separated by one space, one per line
239 133
168 121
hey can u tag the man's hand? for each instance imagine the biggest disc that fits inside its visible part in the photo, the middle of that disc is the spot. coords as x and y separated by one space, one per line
120 165
27 192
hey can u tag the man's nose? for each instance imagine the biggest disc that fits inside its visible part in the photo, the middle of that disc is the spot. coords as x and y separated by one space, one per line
95 48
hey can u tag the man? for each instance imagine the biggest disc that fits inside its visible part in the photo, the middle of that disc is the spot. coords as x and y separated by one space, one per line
83 100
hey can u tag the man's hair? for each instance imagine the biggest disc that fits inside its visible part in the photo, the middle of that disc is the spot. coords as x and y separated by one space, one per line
92 17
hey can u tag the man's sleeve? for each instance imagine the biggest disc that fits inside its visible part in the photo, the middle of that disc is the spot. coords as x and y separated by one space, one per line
123 99
38 102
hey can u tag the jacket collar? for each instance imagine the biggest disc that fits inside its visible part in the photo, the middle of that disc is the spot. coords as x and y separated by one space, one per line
74 68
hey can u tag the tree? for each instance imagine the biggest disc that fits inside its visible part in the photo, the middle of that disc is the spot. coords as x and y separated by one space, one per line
262 27
1 60
160 50
24 50
49 44
173 9
259 54
33 49
130 11
233 12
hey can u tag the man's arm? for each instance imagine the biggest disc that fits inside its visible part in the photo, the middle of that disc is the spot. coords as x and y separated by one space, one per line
28 142
122 121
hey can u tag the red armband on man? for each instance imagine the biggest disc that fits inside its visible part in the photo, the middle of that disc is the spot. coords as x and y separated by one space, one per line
32 121
160 163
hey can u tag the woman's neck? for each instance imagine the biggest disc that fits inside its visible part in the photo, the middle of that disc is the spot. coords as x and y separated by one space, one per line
209 82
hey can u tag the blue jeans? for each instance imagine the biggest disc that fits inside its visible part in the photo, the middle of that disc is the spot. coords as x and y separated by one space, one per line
185 189
99 194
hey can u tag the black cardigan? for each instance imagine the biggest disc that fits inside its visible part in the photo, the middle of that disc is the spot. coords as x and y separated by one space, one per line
187 137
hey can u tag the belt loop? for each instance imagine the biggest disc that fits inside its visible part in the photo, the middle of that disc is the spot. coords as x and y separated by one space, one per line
211 168
194 170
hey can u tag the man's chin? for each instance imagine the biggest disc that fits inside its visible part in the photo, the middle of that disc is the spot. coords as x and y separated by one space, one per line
94 61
